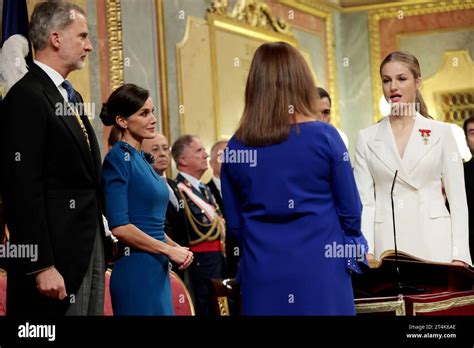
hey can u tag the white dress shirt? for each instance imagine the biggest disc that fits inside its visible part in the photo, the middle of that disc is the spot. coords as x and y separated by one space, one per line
217 182
192 180
55 77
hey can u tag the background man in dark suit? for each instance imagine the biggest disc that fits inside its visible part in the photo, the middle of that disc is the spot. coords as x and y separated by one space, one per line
232 250
215 182
51 168
325 106
469 179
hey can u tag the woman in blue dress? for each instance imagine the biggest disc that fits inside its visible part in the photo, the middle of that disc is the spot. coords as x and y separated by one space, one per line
290 195
136 199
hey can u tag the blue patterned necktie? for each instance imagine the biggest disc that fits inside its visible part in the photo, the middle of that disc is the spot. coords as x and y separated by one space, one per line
202 188
71 96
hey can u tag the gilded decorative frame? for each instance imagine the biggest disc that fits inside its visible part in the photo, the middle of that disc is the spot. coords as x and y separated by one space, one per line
163 69
325 14
223 23
114 34
223 306
376 16
425 307
115 48
432 31
358 8
397 306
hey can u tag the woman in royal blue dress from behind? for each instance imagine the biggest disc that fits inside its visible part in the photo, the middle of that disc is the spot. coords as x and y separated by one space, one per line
136 199
290 195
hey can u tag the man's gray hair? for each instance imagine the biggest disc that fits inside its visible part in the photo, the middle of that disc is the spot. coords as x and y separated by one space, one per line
48 16
180 145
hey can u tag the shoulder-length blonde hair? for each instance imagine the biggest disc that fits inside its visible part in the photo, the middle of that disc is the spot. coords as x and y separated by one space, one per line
279 86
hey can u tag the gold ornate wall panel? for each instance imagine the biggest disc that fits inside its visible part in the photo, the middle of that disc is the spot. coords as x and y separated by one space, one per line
348 6
233 44
451 102
255 13
165 125
324 12
213 61
196 105
455 107
399 19
315 8
114 33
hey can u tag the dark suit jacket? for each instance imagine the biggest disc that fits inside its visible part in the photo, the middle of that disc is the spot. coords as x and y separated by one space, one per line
176 224
469 180
51 190
232 249
217 195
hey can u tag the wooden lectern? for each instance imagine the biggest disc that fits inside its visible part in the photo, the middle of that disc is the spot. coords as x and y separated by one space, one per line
417 288
423 288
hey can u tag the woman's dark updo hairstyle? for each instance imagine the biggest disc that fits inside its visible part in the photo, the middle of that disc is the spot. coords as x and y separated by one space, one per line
124 101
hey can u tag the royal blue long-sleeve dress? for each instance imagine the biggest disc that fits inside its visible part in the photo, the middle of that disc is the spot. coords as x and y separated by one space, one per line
294 207
135 194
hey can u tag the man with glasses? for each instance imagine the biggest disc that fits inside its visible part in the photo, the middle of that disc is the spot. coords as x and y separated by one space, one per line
159 149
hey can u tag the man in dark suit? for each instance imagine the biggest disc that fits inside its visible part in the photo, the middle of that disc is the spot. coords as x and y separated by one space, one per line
159 149
51 166
203 229
232 250
469 180
215 162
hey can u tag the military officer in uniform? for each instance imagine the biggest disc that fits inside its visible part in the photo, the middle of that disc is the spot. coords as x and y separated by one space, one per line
202 226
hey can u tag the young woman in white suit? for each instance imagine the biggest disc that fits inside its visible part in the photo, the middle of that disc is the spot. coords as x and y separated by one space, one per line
429 168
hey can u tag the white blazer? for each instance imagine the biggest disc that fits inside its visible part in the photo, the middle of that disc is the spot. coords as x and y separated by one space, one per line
424 226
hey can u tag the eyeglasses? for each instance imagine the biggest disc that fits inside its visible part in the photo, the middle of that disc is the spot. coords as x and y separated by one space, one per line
164 149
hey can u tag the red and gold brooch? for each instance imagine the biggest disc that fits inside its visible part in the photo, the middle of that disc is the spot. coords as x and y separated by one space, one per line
425 134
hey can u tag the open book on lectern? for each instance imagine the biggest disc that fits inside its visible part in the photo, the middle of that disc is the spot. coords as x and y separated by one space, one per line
403 257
